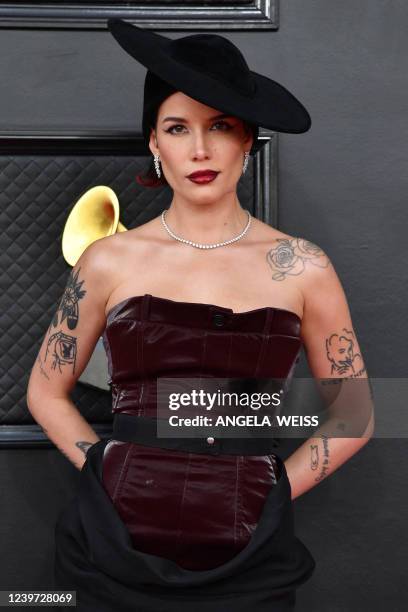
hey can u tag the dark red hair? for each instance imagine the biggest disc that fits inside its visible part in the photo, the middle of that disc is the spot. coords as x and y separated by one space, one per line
149 177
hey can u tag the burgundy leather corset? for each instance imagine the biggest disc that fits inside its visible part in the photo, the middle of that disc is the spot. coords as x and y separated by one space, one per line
198 510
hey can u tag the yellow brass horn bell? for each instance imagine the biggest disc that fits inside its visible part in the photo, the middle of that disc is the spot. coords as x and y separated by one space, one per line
95 215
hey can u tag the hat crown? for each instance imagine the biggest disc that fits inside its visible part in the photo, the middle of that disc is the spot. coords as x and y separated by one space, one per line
212 70
217 57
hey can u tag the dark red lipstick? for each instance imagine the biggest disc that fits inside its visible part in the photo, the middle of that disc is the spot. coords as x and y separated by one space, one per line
203 176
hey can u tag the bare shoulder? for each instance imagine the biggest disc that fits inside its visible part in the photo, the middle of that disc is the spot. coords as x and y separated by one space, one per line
288 255
292 256
121 258
295 265
118 247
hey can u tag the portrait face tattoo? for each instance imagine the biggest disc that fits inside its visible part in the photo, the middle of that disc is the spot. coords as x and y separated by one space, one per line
341 353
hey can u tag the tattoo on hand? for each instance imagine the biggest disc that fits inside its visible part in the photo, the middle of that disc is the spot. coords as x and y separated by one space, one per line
84 446
293 255
325 466
64 350
340 350
68 305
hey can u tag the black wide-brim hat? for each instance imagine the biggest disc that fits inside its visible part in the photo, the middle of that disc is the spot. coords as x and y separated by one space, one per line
213 71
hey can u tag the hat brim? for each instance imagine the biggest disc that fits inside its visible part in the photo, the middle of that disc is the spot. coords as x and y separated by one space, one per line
271 106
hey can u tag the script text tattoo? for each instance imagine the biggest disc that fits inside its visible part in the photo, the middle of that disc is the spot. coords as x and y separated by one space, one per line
315 461
314 456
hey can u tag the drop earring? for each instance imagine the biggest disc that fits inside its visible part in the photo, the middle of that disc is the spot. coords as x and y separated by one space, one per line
246 160
157 164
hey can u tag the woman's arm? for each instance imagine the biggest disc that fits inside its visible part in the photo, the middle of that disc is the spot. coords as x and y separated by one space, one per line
332 352
68 344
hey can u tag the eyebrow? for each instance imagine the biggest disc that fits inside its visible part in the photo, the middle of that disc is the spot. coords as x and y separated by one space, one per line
222 116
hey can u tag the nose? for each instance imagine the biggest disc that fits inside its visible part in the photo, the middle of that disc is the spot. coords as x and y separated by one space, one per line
200 145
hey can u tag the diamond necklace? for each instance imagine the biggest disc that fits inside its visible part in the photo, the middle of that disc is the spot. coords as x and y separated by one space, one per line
198 245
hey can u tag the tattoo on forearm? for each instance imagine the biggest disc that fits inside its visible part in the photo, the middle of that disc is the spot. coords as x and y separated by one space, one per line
293 255
314 456
69 458
325 464
64 350
84 446
340 379
341 353
68 305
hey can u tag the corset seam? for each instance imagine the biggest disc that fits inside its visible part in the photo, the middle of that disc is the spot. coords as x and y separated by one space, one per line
122 475
178 543
265 340
229 354
203 353
118 392
238 503
144 317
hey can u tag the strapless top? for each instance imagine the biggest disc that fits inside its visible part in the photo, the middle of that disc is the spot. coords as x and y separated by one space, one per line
148 337
197 510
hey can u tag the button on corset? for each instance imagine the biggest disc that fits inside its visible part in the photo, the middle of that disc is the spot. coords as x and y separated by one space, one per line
218 319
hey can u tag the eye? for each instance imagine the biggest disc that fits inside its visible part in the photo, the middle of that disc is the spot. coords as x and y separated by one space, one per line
225 126
172 127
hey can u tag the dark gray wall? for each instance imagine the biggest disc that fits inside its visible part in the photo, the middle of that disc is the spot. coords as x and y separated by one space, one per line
342 185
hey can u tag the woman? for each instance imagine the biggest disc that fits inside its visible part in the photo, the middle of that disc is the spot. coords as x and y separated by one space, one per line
203 290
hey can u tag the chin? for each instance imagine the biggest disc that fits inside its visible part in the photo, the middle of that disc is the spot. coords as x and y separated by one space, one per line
210 197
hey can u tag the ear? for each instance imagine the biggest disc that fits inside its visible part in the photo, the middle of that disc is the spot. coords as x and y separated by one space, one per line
153 142
249 137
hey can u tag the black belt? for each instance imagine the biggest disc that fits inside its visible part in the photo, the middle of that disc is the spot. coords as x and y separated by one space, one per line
143 430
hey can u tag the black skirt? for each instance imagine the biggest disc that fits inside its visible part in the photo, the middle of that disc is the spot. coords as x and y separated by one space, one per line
95 556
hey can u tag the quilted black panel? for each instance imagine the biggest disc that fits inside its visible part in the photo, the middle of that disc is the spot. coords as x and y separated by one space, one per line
37 192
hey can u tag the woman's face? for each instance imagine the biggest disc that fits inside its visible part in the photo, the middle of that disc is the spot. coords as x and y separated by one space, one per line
191 136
